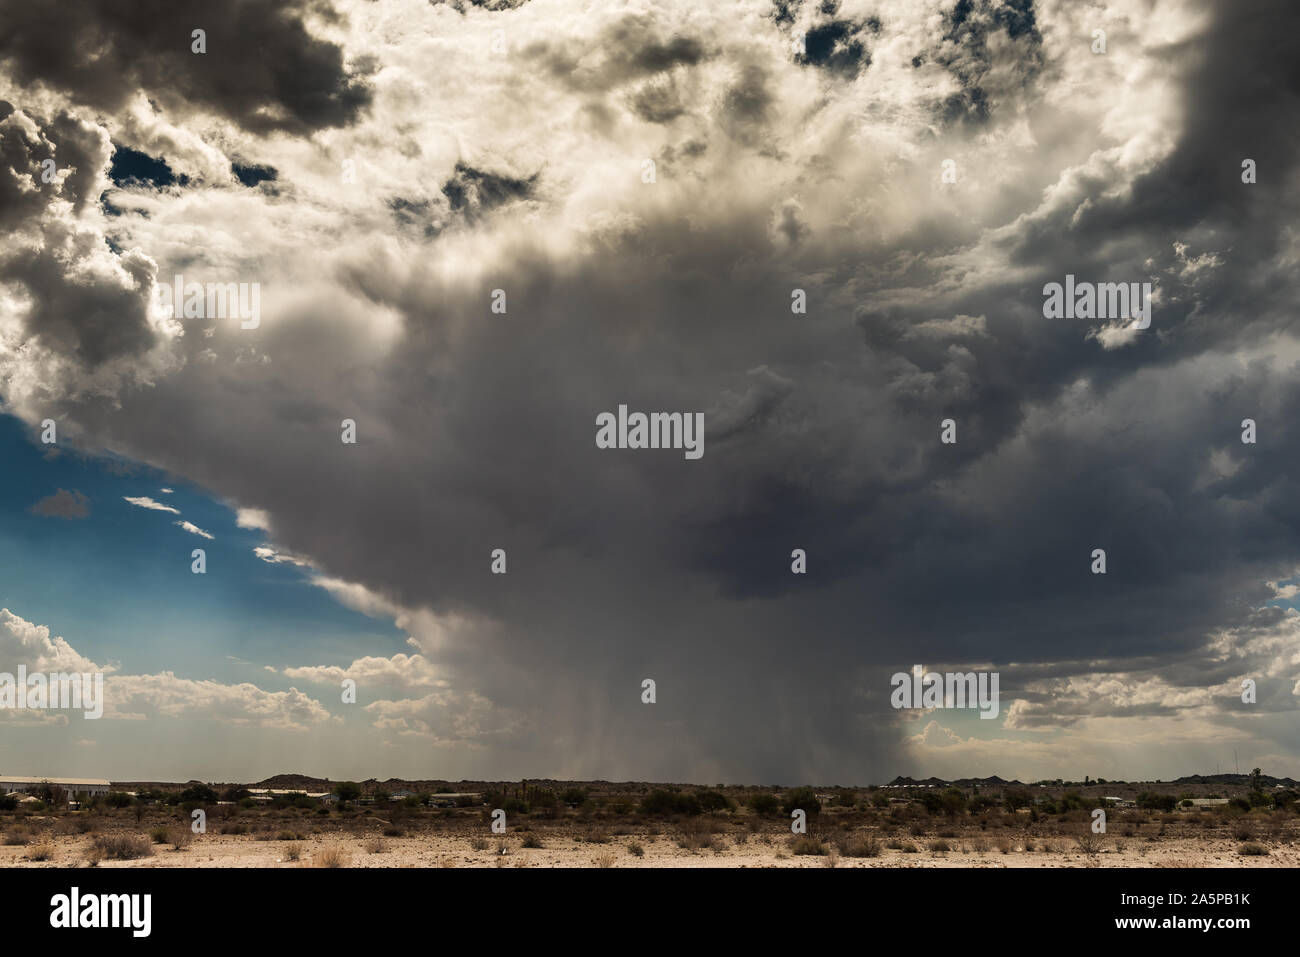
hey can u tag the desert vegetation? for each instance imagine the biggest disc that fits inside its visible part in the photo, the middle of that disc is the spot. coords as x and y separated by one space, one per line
1045 824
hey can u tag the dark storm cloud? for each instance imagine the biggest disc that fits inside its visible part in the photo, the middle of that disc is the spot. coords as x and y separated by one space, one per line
658 103
632 47
415 214
1244 79
262 69
85 303
20 171
476 431
26 143
745 107
89 316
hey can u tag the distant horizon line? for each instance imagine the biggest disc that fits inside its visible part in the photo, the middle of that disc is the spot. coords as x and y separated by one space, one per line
916 781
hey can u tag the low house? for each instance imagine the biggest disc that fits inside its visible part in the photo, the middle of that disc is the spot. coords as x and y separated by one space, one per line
267 795
1207 802
91 787
454 799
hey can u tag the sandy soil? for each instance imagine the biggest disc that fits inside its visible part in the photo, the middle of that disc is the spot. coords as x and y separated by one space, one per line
456 850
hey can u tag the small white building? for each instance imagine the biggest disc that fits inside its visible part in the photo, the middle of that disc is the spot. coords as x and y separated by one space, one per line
267 795
92 787
452 798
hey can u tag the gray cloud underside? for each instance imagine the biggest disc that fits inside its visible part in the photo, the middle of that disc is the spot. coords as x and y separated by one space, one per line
822 431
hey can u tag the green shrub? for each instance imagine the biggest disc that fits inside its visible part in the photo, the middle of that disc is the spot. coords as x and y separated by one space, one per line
764 803
347 791
804 799
199 794
806 845
1157 802
713 801
660 803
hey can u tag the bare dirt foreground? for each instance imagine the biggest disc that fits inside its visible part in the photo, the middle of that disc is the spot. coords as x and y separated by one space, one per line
730 839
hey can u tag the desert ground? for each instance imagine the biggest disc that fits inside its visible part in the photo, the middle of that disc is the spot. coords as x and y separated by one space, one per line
887 833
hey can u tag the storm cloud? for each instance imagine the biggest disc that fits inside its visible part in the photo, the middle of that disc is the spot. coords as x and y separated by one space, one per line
526 170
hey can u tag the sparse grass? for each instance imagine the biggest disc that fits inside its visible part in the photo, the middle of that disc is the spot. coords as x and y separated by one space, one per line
865 846
179 838
375 845
1253 850
605 859
293 852
331 855
849 834
124 847
43 851
695 835
806 845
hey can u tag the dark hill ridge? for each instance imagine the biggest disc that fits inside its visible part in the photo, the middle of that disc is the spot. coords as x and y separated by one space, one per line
1191 781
